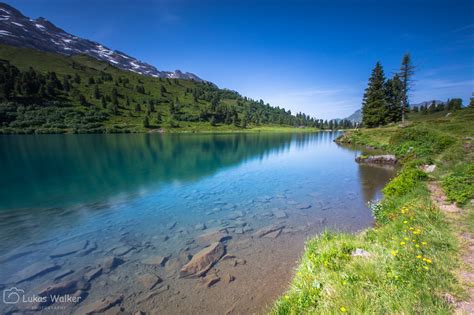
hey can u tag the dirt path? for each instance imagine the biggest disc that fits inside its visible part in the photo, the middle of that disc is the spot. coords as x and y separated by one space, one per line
456 217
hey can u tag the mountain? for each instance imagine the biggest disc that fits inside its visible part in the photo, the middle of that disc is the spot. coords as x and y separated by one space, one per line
356 116
426 103
21 31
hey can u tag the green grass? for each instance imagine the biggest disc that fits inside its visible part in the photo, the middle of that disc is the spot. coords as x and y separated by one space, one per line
413 248
459 184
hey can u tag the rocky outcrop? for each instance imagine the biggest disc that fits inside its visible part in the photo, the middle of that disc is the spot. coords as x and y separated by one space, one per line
41 34
203 260
386 159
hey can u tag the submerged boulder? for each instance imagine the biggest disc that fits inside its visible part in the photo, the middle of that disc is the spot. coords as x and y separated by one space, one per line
386 159
34 270
203 260
213 235
269 230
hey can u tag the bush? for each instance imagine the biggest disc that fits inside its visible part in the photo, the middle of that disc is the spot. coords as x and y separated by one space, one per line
459 185
404 182
420 142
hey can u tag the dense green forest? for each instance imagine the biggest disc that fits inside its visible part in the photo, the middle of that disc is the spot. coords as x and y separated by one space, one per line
47 93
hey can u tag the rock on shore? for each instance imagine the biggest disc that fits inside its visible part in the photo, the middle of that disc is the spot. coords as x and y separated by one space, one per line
387 159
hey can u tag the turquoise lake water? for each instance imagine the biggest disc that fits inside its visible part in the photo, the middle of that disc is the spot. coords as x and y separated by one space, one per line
166 190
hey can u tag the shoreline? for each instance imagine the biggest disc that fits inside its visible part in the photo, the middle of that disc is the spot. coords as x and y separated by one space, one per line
269 129
410 258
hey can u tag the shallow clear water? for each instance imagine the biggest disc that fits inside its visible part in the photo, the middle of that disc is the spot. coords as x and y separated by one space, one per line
149 193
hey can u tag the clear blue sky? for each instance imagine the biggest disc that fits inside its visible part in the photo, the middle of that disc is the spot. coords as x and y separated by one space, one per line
313 57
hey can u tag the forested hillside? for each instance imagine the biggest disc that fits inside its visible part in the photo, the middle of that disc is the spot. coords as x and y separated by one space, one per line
48 93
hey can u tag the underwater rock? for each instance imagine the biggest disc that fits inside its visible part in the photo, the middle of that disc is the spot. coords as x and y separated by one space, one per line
149 281
268 229
68 249
33 271
156 260
203 260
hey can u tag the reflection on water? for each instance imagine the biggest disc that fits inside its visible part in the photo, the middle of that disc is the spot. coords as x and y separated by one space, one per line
137 196
59 170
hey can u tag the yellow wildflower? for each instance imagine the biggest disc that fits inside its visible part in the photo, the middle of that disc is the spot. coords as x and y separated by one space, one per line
402 243
426 267
428 261
419 256
343 309
423 243
394 252
405 222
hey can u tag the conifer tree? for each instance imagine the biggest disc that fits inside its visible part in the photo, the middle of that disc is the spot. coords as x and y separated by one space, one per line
96 92
394 99
146 122
159 119
138 108
406 72
374 102
103 102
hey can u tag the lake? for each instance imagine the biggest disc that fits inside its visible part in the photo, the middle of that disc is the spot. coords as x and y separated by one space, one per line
118 216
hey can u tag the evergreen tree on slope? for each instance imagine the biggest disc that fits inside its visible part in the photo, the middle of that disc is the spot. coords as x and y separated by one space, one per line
374 101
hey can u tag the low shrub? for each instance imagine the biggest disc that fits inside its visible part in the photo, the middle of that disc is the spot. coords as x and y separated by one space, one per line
459 184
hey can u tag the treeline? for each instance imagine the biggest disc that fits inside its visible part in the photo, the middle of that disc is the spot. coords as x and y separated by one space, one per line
451 105
86 101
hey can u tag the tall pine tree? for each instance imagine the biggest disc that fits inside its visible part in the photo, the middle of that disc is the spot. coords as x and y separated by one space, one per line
374 102
406 72
394 93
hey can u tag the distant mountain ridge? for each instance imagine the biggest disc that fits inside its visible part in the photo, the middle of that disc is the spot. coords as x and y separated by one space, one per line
426 103
355 117
40 34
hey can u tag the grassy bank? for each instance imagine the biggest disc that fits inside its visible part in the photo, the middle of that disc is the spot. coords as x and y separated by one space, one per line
412 251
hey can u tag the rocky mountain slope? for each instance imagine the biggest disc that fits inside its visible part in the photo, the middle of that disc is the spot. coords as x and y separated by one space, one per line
355 117
21 31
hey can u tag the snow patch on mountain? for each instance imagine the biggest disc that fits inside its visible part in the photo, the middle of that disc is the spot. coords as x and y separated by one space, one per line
41 34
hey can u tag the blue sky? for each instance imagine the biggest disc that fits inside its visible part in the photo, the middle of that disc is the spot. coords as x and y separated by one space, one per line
313 57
